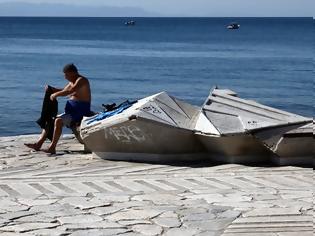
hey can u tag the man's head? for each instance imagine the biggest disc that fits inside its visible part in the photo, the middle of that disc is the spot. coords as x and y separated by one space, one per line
71 72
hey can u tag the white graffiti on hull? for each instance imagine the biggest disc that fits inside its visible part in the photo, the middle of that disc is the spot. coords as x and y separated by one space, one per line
125 134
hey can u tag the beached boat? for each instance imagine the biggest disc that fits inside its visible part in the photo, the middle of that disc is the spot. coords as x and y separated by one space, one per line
225 129
156 128
249 132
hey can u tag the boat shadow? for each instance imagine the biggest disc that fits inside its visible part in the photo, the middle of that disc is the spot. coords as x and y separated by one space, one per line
267 162
198 164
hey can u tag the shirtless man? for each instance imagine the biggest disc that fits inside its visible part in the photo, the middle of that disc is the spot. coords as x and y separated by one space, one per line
78 105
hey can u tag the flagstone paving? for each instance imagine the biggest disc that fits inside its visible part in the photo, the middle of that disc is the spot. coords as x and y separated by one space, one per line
75 193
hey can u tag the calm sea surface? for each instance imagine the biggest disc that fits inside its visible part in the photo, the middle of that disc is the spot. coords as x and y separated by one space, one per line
267 59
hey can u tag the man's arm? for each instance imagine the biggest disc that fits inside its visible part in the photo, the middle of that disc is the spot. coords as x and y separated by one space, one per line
69 89
55 90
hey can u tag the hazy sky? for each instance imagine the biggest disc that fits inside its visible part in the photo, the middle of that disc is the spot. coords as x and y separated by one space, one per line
203 7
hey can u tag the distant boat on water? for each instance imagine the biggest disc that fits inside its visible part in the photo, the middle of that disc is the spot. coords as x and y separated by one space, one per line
130 22
233 25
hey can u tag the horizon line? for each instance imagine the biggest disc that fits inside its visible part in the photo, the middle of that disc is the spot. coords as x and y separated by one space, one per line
52 16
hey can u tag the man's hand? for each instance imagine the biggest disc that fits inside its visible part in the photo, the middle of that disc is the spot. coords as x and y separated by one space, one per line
53 97
54 90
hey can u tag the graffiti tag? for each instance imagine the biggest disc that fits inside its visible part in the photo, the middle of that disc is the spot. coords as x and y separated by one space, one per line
125 134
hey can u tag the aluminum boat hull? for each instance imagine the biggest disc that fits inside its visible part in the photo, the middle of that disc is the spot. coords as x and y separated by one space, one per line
247 131
157 128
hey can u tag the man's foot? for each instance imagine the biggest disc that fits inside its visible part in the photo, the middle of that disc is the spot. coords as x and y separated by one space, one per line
33 146
50 150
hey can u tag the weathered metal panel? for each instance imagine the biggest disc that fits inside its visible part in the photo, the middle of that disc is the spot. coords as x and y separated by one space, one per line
204 125
153 109
180 119
226 124
231 114
306 129
191 111
168 101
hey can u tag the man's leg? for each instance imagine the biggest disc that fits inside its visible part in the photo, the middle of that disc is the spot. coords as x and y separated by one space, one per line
56 136
36 146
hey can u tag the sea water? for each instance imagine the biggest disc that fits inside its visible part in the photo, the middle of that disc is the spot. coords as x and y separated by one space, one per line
269 60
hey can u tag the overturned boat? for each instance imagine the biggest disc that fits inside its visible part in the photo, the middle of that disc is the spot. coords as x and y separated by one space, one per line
153 129
247 131
225 129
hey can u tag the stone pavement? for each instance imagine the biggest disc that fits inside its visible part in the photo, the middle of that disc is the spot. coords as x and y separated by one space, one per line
73 193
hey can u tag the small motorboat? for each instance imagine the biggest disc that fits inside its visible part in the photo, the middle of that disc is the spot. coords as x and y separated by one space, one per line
249 132
153 129
233 26
130 23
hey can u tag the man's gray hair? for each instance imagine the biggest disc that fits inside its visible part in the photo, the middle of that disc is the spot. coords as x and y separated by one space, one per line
70 68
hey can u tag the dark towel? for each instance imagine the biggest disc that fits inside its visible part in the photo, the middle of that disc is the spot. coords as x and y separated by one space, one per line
49 113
